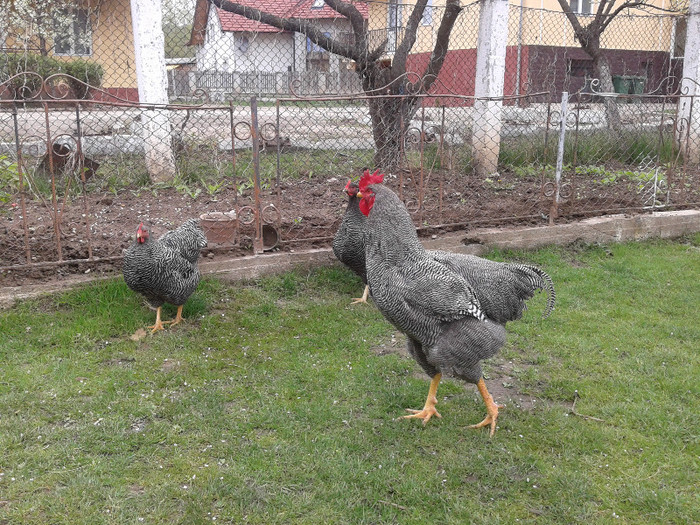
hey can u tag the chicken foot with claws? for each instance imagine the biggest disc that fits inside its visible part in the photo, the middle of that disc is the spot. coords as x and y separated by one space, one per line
159 324
178 317
428 410
491 408
362 299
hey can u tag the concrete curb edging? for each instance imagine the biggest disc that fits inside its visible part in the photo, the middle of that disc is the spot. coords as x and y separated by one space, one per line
607 229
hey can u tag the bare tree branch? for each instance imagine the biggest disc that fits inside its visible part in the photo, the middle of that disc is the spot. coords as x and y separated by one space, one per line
603 16
388 115
442 43
573 19
626 5
305 27
409 37
349 11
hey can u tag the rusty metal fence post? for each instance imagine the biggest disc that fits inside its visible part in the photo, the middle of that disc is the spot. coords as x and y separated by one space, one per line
255 137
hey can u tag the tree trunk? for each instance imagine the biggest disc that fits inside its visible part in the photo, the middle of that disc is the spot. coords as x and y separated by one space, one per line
391 118
612 112
43 48
391 112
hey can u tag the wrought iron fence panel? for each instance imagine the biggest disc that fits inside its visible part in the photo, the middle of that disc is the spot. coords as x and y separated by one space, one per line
264 128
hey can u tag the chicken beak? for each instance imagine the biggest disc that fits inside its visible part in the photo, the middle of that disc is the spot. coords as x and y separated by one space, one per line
359 194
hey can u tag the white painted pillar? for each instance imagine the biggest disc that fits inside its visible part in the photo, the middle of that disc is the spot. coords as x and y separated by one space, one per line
489 80
149 54
688 128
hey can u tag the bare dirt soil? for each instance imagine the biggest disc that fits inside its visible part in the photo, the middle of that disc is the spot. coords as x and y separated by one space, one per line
301 214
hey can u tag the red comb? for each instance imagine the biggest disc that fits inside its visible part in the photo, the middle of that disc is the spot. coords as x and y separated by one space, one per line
367 179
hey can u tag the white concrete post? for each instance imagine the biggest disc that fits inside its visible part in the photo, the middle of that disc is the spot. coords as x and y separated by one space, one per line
149 54
688 128
490 73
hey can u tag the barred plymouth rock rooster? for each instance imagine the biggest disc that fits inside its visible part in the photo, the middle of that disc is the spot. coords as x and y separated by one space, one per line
165 270
348 243
453 308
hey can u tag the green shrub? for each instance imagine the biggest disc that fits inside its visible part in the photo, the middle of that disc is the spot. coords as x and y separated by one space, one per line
83 76
9 178
36 69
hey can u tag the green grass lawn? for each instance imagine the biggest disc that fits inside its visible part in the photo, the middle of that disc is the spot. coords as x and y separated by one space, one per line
276 402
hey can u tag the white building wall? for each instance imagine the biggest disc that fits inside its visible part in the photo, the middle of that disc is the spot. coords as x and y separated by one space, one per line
266 52
233 63
333 27
214 55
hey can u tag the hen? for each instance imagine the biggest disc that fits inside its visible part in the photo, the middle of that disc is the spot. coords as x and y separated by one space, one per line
348 243
452 308
165 270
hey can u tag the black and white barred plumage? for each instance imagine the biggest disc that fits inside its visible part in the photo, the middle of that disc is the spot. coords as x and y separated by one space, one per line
502 288
165 270
348 243
452 308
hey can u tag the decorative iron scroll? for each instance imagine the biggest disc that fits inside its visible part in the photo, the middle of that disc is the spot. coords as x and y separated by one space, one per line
29 86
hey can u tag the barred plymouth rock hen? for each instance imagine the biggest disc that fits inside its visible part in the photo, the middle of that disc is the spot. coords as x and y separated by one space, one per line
452 308
165 270
348 243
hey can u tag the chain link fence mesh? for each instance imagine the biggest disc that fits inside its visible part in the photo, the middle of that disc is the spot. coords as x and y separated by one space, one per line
264 127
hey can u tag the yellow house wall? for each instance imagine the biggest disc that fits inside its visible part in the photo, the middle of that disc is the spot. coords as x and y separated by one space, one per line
112 43
543 23
551 28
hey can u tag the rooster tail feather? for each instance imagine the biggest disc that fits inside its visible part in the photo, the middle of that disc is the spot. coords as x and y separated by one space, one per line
539 280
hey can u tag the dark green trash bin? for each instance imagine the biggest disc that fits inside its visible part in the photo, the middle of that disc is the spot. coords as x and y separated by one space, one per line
638 85
622 84
629 85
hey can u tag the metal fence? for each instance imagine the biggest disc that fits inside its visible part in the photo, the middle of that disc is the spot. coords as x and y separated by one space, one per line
223 86
263 154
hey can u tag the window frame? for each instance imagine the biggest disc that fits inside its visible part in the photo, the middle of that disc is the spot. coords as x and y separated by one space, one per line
312 47
580 7
427 18
75 33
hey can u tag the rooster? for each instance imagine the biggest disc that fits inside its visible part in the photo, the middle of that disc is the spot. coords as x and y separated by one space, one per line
348 243
165 270
452 308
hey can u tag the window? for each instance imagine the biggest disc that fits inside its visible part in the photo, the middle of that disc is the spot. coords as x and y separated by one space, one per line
315 48
427 19
582 7
393 24
394 14
318 4
242 43
317 58
72 32
580 68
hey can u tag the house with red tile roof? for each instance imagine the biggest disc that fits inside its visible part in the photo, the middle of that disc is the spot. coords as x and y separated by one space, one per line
239 56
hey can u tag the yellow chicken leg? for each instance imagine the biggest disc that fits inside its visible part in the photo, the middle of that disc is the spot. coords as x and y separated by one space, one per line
429 408
159 324
178 318
491 408
362 299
